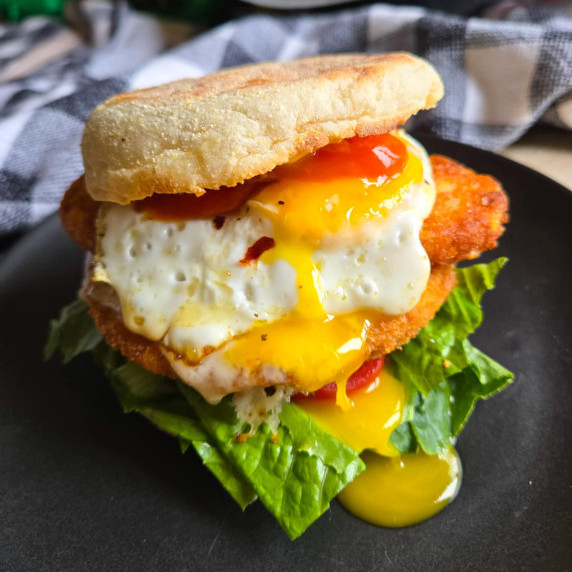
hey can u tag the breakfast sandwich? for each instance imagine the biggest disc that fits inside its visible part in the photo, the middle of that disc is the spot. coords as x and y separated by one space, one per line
272 279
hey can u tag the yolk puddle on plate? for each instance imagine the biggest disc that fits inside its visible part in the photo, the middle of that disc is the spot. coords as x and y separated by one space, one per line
403 490
394 490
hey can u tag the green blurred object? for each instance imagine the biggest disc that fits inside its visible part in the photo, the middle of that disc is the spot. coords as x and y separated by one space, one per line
192 10
199 11
19 9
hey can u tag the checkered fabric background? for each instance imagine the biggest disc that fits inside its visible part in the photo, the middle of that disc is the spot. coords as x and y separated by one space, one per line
501 76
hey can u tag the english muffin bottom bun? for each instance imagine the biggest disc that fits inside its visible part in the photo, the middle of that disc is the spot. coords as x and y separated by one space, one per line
267 241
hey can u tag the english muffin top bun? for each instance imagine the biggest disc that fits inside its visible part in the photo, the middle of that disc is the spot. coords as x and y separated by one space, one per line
222 129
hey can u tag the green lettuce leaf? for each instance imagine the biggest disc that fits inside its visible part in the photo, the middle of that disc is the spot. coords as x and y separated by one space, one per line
72 333
428 425
403 438
295 473
159 400
444 374
481 380
431 422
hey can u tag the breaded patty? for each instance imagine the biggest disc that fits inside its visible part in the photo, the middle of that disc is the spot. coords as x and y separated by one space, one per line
78 212
390 333
467 218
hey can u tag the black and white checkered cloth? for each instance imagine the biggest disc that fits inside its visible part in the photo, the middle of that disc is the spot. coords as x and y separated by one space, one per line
500 75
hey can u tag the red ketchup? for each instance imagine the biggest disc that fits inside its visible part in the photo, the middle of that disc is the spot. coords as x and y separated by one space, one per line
363 377
359 157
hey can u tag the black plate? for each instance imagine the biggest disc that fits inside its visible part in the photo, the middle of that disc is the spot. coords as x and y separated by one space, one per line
84 487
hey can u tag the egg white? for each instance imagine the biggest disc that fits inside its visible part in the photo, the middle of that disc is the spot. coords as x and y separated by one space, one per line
182 283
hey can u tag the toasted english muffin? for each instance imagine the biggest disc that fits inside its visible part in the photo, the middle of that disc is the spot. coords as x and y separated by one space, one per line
222 129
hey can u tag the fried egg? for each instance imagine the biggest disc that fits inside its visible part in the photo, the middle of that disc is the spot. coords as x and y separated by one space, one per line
282 291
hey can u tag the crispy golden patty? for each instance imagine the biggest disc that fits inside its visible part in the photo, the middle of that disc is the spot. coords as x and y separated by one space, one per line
468 217
390 333
78 212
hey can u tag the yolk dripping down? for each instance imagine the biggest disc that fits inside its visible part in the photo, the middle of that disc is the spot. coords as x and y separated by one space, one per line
327 194
395 490
368 424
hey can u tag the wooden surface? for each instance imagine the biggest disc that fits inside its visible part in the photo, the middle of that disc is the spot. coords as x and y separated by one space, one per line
547 150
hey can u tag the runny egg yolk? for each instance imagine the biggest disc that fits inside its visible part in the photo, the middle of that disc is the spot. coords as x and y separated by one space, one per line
314 208
319 198
368 424
404 490
286 290
307 208
394 490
